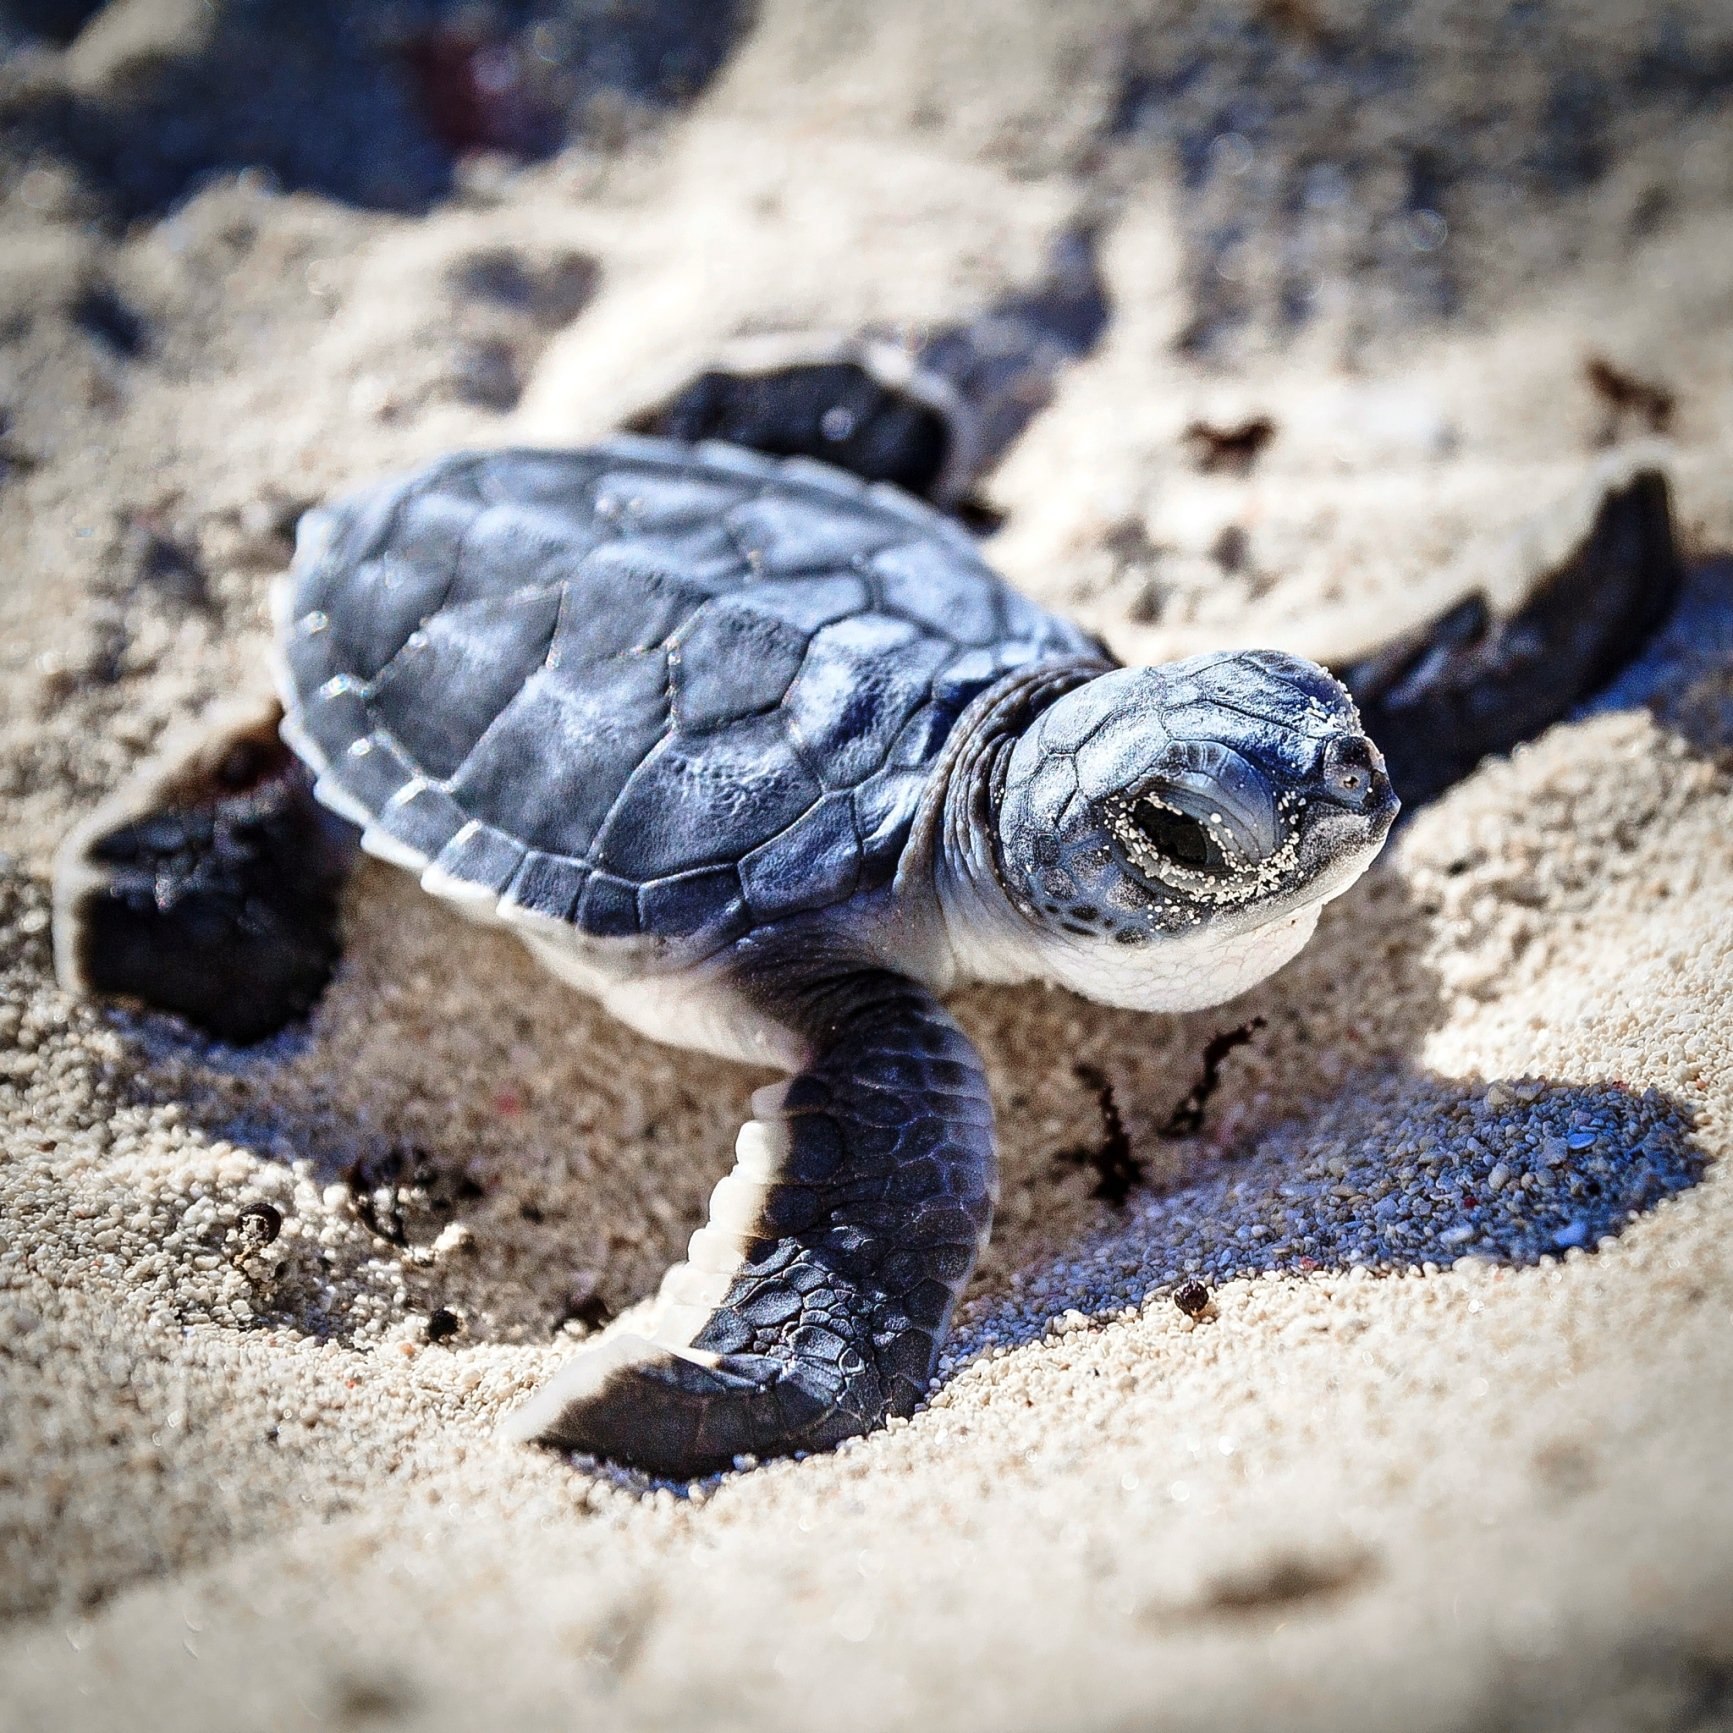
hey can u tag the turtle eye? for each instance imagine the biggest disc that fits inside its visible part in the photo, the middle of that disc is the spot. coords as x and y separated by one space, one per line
1178 838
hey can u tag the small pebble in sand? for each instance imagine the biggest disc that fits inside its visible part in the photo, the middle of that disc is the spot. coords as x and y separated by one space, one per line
259 1224
443 1325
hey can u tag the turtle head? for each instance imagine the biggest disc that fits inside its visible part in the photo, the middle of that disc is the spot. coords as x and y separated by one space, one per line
1167 836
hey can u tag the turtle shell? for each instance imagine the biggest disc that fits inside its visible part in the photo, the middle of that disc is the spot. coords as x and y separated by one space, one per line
644 689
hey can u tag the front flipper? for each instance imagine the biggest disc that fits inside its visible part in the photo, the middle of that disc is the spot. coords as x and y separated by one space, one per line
813 1303
1467 684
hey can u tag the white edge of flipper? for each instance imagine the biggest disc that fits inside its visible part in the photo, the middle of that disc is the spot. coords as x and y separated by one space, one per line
690 1292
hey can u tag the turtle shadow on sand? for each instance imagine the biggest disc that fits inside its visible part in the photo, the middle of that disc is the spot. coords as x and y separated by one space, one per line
1326 1144
446 1085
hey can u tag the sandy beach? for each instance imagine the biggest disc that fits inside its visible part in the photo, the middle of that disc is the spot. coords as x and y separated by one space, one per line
1447 1448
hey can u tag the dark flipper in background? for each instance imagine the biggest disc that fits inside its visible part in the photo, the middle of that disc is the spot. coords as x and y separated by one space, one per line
1468 684
931 413
208 886
813 1304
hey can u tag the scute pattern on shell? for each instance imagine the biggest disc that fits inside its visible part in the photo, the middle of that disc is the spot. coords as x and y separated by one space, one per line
645 689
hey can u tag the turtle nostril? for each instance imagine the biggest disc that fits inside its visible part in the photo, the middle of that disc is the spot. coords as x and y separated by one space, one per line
1351 771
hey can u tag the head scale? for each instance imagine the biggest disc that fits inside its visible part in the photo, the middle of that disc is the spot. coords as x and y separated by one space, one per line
1167 836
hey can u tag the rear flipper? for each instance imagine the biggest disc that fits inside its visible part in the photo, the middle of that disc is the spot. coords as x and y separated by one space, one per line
207 886
814 1302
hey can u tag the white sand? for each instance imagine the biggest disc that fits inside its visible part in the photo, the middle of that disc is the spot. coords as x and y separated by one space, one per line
237 1489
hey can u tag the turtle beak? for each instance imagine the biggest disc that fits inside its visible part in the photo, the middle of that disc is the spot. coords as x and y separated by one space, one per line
1349 809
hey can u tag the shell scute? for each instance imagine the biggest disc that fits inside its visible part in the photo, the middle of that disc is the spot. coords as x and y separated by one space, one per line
653 503
422 818
559 753
306 648
914 582
730 661
334 716
779 535
813 863
808 603
862 679
530 477
705 904
481 856
548 885
429 529
884 811
706 799
372 771
618 605
921 737
704 557
512 546
375 620
457 673
608 909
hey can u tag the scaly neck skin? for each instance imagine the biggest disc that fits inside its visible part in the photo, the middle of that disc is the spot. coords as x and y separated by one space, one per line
954 848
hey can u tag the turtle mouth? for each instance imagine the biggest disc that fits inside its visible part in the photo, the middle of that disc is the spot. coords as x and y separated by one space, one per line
1333 845
1340 842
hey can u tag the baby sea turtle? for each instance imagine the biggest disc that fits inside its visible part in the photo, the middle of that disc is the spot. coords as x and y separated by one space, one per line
767 760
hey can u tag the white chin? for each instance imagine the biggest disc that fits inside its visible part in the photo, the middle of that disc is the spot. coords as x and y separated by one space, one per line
1184 974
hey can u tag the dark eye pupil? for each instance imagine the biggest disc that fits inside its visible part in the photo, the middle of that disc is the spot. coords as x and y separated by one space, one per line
1176 837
